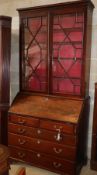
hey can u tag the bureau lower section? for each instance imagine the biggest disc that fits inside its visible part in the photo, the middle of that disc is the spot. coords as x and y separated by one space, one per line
44 143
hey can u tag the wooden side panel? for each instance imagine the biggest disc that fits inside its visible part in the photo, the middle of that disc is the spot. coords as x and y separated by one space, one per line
82 134
5 48
87 46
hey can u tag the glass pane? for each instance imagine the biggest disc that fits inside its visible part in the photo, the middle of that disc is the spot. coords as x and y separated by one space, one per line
35 54
67 53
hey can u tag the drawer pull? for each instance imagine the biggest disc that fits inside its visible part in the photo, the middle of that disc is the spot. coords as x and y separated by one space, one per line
38 155
39 131
20 121
58 137
38 141
21 142
21 155
57 151
58 127
57 165
21 130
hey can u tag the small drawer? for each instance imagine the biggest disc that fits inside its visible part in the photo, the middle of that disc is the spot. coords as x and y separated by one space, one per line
23 130
42 134
18 129
28 121
55 149
18 153
67 128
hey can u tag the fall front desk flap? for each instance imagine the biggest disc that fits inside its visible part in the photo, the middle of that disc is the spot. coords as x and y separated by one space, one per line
54 108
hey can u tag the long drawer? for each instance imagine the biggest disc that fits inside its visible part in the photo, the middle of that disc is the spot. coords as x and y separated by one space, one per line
58 165
26 121
42 134
47 147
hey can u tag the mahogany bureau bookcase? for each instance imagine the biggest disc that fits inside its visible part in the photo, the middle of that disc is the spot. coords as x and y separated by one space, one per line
5 49
48 119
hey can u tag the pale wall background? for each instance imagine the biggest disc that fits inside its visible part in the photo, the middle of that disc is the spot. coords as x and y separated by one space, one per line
8 7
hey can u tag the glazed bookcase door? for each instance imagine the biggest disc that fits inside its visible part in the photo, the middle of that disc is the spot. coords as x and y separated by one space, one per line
67 54
35 54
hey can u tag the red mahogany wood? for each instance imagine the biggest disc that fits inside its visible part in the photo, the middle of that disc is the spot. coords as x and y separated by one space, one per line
42 134
34 144
62 139
39 106
5 49
28 121
48 119
43 160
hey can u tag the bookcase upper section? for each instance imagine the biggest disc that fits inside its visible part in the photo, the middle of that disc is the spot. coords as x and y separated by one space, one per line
55 44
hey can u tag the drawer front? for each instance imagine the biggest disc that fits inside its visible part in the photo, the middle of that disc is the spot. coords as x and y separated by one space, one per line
43 146
57 165
42 134
27 121
64 127
18 153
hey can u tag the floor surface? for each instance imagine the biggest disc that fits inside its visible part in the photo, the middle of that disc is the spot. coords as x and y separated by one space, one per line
30 170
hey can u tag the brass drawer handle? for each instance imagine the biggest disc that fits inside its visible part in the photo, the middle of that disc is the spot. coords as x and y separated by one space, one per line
38 141
21 130
21 121
39 131
58 128
57 151
21 142
58 137
57 165
21 155
38 155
